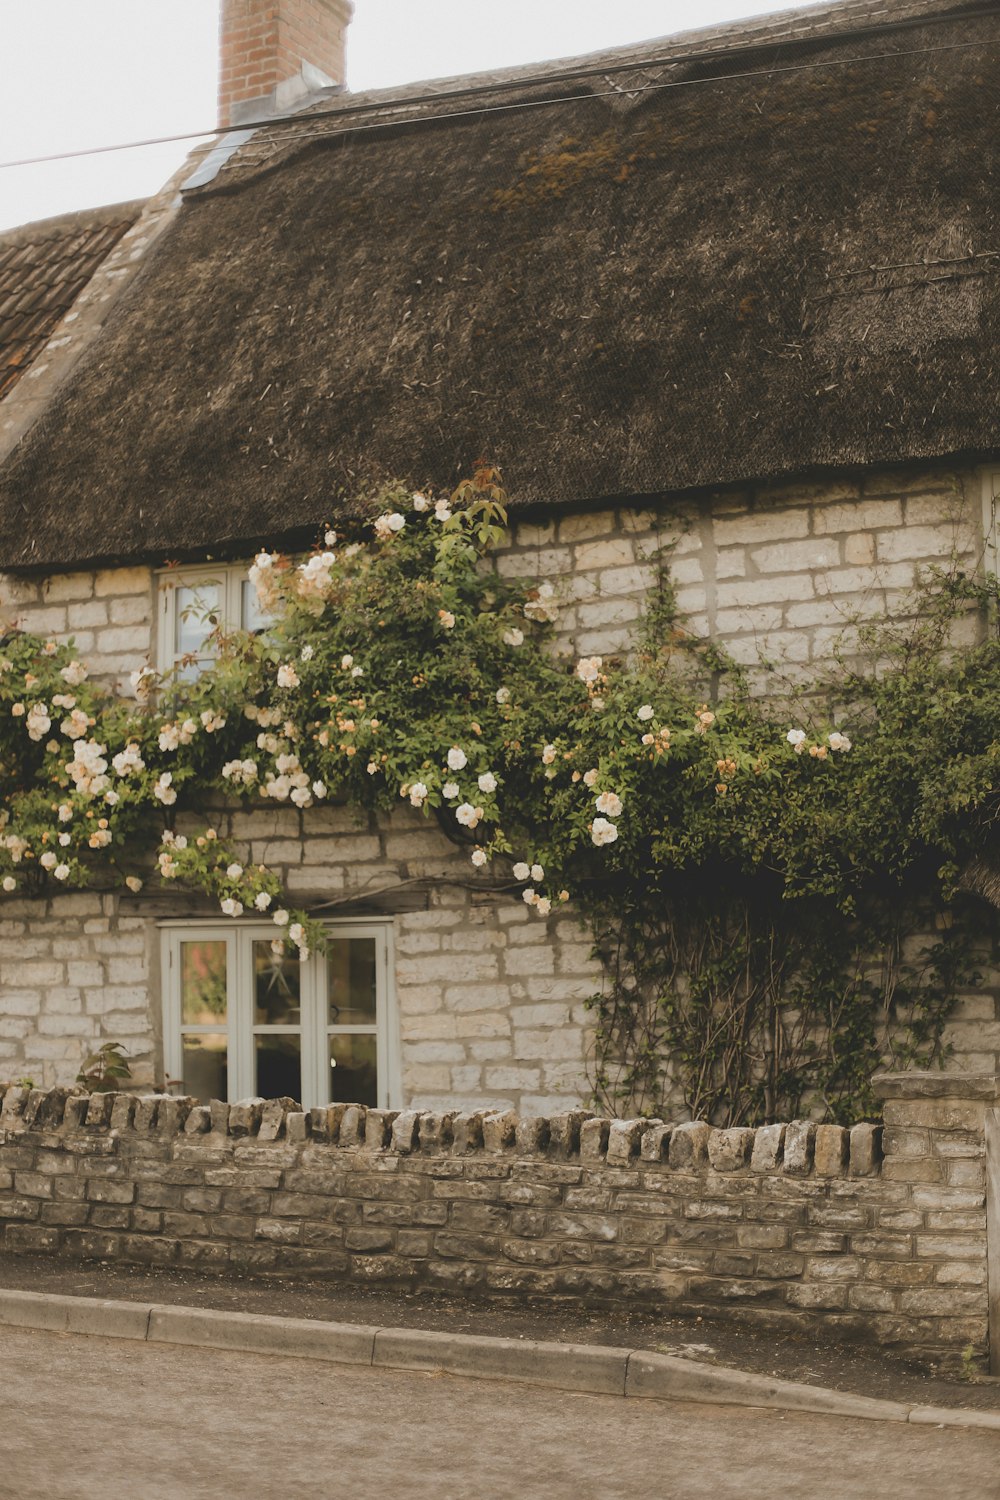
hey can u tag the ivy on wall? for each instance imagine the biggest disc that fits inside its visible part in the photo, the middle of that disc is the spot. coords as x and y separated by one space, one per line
757 880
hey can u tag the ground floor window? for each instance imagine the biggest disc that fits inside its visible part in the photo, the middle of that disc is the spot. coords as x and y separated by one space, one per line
244 1018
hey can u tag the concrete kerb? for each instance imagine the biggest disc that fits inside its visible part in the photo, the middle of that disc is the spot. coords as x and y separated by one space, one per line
595 1369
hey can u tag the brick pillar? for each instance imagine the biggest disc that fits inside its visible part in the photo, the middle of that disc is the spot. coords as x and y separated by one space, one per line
272 52
942 1150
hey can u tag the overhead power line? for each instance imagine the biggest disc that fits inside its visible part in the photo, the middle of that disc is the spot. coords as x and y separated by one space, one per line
343 114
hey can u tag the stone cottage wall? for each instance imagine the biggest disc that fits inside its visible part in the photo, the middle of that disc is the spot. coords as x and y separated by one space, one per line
788 1226
490 997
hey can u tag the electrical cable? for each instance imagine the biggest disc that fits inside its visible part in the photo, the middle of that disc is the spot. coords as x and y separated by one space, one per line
339 115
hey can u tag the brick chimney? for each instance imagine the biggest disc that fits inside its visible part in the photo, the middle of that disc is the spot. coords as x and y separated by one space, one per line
275 52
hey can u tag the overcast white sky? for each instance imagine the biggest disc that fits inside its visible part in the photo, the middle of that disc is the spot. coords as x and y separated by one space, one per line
85 73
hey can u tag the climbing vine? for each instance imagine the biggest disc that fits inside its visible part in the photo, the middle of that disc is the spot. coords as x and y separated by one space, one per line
757 877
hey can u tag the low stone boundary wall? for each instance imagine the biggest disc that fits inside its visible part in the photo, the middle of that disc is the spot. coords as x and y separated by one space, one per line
864 1233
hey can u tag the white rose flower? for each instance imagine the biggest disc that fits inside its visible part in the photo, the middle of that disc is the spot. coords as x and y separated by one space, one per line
357 672
48 860
61 872
347 661
65 812
65 840
610 804
134 883
420 502
262 900
468 815
74 673
503 695
450 791
234 871
478 857
388 525
588 668
457 759
231 906
529 897
513 637
442 510
319 789
287 675
418 794
306 654
645 712
487 782
543 906
590 777
603 832
548 755
838 741
163 790
521 870
281 917
211 720
796 738
9 884
447 618
537 873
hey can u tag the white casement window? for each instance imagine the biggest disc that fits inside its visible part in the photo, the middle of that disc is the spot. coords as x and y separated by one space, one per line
991 519
192 604
243 1019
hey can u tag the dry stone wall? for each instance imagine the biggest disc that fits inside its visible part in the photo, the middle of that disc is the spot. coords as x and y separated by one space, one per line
490 998
860 1233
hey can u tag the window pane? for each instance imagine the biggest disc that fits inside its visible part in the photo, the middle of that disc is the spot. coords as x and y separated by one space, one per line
354 1070
277 980
203 983
278 1066
252 617
206 1069
350 967
197 612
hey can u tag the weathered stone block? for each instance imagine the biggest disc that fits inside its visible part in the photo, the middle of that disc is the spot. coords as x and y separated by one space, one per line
531 1135
655 1142
865 1151
729 1150
594 1136
768 1148
800 1137
689 1145
830 1151
624 1138
498 1130
352 1125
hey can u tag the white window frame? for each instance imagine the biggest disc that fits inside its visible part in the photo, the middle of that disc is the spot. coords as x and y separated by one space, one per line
314 1029
991 518
229 576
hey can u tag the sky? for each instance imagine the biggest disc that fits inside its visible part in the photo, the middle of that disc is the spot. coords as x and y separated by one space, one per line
78 74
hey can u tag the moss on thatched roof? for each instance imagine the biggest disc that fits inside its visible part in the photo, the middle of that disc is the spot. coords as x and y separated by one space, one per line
788 263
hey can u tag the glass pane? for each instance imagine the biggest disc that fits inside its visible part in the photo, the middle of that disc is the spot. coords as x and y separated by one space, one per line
252 617
350 968
277 979
278 1066
197 611
206 1066
203 983
354 1070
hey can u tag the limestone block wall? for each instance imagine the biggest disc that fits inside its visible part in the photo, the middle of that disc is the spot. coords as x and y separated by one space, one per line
790 1225
490 997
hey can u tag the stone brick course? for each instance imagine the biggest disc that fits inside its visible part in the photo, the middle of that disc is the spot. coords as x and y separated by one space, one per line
792 1226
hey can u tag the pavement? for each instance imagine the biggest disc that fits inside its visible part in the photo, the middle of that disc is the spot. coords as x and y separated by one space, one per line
171 1421
631 1374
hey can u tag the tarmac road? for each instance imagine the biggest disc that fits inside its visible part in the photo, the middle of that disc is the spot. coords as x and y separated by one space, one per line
96 1416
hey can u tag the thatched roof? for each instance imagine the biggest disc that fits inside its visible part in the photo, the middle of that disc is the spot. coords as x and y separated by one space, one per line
761 251
43 269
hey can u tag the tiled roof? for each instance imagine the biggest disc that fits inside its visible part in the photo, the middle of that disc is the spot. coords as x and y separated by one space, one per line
43 269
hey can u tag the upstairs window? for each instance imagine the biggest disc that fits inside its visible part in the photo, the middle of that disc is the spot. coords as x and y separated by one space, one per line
193 604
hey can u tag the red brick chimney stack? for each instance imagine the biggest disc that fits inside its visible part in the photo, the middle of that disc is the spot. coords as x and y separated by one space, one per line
273 52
